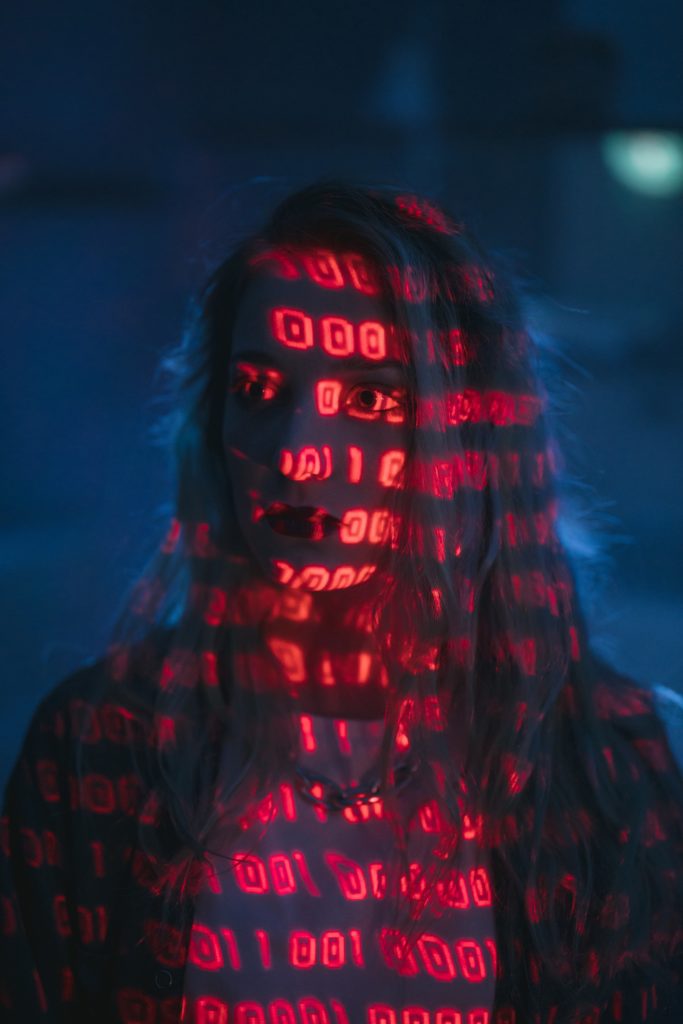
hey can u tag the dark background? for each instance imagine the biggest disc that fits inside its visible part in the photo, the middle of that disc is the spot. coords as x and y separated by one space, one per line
137 139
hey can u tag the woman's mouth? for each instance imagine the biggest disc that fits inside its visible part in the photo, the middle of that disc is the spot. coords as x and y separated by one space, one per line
306 521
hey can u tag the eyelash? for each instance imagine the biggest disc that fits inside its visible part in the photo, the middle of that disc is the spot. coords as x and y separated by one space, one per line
239 385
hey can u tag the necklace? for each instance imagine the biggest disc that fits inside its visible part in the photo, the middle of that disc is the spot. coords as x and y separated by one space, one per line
335 798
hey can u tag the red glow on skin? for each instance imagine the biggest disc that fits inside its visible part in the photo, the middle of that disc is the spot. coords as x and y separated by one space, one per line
364 812
294 606
287 801
283 875
292 328
295 320
264 948
265 385
342 731
402 740
268 379
361 275
391 466
348 874
321 266
317 577
136 1006
277 261
364 664
397 955
372 340
307 463
319 811
354 526
328 394
336 335
299 859
307 735
354 464
327 673
290 656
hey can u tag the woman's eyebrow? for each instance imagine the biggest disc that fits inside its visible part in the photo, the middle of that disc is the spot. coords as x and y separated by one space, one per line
363 363
344 363
247 356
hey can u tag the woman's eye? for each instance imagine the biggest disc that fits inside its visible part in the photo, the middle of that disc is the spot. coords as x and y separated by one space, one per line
254 391
370 402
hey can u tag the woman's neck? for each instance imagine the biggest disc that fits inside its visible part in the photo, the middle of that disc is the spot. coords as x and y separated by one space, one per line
328 652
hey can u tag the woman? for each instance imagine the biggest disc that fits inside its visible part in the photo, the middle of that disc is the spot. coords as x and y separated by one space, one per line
350 757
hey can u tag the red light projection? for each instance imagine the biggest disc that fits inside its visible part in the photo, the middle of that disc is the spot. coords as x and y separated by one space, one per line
390 468
338 272
294 914
354 464
309 462
422 210
327 395
335 335
361 275
317 577
317 400
293 328
276 261
307 737
320 266
324 269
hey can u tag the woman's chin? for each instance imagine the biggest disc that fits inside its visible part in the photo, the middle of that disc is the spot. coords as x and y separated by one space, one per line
320 577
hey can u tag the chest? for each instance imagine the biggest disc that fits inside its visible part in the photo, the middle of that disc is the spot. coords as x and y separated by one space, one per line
297 924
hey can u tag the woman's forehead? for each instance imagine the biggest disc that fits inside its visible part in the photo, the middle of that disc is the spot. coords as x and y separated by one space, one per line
319 297
299 314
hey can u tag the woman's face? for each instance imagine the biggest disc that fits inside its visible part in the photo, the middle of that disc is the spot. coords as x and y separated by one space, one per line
315 427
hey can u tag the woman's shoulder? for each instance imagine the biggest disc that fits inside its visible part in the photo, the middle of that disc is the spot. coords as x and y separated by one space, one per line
92 707
649 717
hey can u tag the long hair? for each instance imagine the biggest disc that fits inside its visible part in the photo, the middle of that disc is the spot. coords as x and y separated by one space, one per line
481 618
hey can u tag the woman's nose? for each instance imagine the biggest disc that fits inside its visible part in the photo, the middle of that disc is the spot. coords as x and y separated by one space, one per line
307 448
309 462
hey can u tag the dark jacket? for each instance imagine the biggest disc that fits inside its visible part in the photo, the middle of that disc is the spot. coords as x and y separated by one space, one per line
82 933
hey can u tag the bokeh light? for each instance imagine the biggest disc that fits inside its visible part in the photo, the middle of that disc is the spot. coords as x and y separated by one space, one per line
648 162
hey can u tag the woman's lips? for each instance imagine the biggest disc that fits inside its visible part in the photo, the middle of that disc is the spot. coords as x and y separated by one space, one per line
306 521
